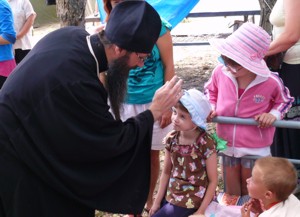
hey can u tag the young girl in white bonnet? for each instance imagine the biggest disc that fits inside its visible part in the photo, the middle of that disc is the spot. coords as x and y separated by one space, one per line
190 174
243 86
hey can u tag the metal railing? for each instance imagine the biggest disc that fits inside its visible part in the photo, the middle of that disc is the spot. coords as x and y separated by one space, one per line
251 121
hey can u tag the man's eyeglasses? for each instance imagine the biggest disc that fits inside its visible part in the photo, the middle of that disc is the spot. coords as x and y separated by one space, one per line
142 59
230 64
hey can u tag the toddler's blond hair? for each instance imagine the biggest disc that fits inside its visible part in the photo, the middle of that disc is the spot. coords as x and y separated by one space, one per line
278 175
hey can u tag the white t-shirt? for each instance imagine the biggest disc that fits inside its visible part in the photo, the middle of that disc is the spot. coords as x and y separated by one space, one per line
22 9
277 18
288 208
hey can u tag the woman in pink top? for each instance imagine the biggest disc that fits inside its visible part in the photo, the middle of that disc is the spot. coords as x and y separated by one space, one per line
243 86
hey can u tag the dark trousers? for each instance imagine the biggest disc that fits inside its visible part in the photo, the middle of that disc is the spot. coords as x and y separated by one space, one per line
286 140
22 194
20 54
2 80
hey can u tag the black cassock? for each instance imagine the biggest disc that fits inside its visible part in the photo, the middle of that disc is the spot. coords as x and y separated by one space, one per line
61 151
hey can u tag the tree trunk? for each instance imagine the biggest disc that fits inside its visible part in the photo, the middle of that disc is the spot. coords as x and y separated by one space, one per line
266 8
71 12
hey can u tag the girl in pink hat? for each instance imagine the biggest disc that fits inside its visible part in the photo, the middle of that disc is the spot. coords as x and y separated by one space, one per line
243 86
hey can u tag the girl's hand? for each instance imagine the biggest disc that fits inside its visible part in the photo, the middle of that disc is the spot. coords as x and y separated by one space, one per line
211 115
265 120
153 209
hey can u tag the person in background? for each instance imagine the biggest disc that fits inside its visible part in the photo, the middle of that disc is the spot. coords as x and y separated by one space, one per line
189 178
7 38
142 83
24 17
285 18
62 152
271 189
243 86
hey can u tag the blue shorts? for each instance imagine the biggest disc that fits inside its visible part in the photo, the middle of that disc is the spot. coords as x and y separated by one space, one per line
233 161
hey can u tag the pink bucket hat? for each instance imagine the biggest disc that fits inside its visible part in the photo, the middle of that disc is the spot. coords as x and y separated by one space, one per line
247 46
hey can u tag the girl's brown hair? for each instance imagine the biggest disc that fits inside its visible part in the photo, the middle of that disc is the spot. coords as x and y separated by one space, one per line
107 8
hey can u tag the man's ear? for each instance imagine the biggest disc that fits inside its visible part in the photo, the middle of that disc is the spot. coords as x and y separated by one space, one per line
119 51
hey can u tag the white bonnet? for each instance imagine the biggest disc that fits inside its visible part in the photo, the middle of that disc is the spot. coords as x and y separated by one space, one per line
198 106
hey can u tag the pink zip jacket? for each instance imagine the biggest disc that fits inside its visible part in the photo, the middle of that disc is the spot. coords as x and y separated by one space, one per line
263 95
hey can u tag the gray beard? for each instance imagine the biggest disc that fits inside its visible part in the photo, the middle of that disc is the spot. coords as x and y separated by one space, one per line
116 83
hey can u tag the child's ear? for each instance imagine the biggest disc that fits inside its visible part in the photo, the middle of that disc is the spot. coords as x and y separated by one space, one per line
270 195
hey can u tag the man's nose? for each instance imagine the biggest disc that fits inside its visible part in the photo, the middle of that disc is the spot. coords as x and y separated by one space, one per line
140 64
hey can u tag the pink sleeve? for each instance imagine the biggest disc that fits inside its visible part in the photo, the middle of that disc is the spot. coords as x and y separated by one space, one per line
282 98
211 86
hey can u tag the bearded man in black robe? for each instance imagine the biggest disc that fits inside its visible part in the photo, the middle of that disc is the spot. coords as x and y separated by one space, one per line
62 153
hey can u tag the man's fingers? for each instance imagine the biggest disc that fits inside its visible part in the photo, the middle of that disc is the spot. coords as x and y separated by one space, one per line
175 84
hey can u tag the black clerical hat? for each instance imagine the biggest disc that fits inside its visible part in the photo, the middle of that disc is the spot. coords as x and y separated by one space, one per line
134 26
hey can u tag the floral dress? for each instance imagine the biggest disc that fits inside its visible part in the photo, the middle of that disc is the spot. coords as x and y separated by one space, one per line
188 180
